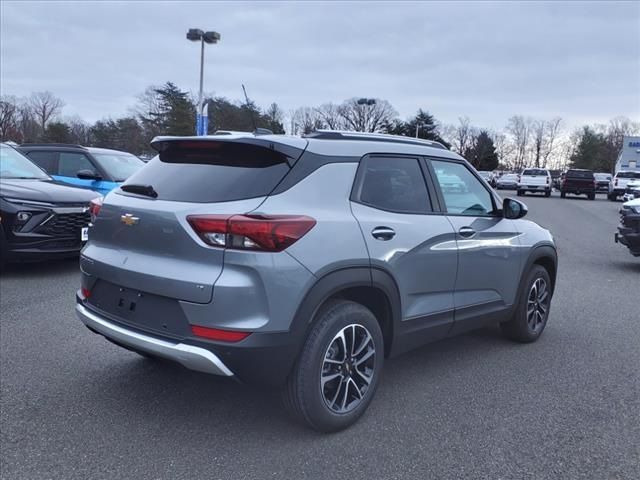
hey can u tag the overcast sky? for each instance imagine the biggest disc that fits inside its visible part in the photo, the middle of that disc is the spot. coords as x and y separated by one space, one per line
487 61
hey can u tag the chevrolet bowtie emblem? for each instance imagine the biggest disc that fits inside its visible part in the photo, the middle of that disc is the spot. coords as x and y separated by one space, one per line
129 219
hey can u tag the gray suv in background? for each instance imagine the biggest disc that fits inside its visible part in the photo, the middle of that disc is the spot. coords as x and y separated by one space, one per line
305 262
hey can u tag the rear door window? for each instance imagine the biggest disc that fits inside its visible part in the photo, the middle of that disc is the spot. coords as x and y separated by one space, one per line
46 160
394 184
207 172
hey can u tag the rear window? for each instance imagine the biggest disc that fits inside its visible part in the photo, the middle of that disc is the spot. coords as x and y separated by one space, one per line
207 172
580 174
628 175
535 171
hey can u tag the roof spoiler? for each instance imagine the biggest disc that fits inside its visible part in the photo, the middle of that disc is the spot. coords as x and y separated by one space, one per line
291 147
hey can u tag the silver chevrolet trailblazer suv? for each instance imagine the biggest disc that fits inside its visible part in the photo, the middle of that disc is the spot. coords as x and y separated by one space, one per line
305 262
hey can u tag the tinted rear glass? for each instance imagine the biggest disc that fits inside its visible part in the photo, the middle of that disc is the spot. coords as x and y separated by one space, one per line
580 174
628 175
217 172
535 171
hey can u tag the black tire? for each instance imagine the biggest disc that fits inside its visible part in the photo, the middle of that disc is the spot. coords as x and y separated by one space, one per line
304 394
547 193
563 195
520 193
611 197
591 196
521 328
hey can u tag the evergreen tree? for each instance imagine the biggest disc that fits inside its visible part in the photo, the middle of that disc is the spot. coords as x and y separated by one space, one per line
173 112
591 152
427 127
483 154
57 132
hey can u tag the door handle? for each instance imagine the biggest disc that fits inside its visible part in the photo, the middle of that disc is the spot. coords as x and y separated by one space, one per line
383 233
467 232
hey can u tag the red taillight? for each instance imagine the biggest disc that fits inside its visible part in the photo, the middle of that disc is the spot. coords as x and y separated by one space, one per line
94 208
217 334
519 178
547 180
271 233
616 182
86 293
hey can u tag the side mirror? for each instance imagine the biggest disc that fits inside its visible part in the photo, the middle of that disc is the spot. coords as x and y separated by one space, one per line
88 175
513 209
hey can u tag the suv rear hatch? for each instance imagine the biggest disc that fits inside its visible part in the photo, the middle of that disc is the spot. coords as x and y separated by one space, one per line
141 242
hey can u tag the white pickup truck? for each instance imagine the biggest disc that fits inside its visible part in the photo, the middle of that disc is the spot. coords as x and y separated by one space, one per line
534 180
618 185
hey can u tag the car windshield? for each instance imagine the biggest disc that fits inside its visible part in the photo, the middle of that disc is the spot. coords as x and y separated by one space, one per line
15 165
509 177
628 175
120 165
602 176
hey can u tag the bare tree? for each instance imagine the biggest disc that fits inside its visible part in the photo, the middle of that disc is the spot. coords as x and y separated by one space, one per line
330 115
368 116
461 136
537 131
519 128
552 131
45 105
503 148
8 119
305 120
78 130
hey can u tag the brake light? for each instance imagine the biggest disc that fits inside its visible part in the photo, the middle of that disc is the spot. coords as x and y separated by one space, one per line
547 180
94 208
271 233
86 293
218 334
519 178
616 182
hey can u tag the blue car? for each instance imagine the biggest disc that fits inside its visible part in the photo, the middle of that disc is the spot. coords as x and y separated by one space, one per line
97 169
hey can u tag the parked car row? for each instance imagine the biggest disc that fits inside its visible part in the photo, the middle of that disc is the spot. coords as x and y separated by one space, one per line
46 194
574 181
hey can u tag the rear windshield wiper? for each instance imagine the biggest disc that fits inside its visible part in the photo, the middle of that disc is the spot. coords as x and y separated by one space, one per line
146 190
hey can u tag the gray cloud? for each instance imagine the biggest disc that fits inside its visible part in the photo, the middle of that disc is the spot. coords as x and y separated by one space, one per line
484 60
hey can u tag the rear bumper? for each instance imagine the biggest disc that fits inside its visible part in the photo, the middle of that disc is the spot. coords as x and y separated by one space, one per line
190 356
534 188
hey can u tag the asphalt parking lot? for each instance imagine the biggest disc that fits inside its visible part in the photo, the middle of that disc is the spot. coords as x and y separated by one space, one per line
74 406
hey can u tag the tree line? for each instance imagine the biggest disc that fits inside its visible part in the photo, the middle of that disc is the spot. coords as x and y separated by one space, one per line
168 110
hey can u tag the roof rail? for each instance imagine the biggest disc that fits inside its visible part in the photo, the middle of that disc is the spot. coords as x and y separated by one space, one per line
72 145
375 137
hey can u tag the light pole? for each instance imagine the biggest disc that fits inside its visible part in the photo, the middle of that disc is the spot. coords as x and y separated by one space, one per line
195 35
418 125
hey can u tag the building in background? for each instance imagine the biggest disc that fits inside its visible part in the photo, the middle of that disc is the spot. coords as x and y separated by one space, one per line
629 158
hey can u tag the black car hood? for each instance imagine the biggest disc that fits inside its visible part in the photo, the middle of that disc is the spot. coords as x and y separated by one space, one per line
44 191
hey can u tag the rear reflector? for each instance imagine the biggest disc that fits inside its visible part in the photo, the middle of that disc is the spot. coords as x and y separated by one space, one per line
269 233
86 293
217 334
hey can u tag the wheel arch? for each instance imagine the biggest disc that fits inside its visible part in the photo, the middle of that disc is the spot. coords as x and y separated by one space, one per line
545 256
371 287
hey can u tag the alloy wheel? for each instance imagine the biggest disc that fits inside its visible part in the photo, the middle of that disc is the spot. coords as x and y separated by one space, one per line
537 304
347 368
